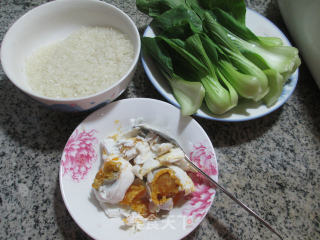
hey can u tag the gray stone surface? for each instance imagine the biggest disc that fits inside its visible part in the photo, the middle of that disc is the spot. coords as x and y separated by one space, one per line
271 163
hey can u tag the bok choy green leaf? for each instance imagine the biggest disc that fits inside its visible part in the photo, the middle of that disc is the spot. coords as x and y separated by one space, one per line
179 22
236 8
154 8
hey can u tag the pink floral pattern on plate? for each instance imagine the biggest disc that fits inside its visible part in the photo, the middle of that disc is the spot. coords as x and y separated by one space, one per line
79 154
200 200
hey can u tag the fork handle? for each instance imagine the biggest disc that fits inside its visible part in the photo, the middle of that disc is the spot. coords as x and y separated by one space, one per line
229 194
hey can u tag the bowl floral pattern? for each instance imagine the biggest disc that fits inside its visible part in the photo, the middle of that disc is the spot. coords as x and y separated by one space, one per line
79 154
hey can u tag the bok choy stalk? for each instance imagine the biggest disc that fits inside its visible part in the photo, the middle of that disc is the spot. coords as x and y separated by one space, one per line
283 59
276 83
188 94
270 41
267 53
220 96
247 67
248 79
246 86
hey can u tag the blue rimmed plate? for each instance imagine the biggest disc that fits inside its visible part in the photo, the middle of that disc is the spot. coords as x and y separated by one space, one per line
246 110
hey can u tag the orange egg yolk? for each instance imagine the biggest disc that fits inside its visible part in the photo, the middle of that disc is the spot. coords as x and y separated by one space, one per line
136 199
164 185
109 171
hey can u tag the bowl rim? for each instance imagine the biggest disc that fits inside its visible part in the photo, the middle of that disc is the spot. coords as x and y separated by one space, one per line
74 99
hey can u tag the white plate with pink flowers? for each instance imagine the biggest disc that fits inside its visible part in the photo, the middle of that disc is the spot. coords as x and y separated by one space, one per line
81 160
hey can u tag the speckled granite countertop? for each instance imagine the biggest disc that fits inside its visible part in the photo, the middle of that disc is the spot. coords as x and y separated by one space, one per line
271 163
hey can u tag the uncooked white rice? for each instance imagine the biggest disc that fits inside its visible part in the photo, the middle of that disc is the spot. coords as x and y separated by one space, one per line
86 62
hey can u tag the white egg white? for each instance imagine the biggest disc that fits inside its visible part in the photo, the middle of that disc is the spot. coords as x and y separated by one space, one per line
114 191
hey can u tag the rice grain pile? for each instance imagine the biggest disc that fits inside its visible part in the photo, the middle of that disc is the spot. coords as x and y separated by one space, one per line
86 62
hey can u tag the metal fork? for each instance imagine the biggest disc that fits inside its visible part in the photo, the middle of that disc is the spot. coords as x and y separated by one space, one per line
229 194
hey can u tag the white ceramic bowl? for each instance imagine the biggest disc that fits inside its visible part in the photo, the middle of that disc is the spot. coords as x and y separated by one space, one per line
81 161
52 22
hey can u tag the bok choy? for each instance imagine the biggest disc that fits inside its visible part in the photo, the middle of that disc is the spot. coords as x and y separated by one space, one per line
206 52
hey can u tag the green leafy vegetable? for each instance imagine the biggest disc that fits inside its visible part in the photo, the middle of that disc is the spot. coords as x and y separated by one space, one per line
178 22
154 8
246 67
234 26
283 59
270 41
276 85
218 98
246 86
206 52
217 33
266 53
186 55
188 94
237 8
